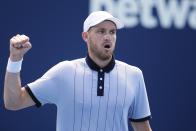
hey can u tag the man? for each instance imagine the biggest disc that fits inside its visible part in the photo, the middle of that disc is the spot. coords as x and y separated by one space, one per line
96 93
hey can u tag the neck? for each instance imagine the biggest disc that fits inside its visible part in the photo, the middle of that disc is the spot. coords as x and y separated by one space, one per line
99 62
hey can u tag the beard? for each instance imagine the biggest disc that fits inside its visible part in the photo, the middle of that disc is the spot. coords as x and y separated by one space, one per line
101 54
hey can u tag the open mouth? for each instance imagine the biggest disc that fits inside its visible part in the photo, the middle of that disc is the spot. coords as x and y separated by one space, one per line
107 46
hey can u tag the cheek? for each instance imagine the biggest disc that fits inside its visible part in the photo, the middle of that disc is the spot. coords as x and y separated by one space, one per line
98 40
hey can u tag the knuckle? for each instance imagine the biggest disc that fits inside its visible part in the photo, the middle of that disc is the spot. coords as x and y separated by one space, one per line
12 41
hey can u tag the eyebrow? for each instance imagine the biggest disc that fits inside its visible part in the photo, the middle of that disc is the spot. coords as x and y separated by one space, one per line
101 28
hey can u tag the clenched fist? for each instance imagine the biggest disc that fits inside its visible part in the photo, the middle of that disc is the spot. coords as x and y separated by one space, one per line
19 45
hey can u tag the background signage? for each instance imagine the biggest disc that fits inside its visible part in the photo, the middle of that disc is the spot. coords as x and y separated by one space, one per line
159 38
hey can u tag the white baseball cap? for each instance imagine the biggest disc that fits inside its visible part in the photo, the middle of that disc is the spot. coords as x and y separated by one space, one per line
99 16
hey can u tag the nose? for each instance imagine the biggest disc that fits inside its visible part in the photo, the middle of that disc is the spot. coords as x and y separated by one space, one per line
107 37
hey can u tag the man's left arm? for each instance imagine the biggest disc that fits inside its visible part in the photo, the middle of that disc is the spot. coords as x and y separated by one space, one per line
139 113
141 126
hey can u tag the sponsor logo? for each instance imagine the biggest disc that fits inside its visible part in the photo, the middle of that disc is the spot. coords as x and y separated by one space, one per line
150 13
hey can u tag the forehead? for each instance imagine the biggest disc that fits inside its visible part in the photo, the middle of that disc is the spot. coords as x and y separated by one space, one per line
106 24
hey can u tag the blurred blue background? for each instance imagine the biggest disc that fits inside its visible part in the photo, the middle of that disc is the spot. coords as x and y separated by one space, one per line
159 38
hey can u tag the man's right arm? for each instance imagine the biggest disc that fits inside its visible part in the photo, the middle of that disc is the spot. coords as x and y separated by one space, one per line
15 96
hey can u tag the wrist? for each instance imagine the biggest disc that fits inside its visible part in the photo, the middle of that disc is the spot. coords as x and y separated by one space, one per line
15 58
14 66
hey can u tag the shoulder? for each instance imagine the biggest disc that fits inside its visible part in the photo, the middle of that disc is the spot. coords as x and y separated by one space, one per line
70 63
132 72
66 66
129 68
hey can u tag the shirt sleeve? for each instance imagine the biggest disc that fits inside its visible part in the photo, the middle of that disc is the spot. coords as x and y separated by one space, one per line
140 109
47 88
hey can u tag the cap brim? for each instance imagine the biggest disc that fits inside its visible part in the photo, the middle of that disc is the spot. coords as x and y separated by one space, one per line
118 23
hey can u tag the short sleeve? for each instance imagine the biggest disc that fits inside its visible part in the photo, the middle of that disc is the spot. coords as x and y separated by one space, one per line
47 88
140 109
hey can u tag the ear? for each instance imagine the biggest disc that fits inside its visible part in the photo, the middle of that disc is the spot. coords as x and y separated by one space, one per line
85 36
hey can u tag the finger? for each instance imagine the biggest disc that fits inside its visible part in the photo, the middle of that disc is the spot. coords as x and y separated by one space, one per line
21 40
12 40
27 45
24 38
13 43
17 40
17 43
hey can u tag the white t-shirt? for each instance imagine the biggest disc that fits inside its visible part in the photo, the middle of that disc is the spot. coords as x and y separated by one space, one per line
89 98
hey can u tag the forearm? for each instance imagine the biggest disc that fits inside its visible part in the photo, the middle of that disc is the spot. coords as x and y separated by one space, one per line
141 126
12 90
149 129
16 97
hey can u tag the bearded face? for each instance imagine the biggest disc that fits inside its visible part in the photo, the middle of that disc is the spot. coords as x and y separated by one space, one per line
101 40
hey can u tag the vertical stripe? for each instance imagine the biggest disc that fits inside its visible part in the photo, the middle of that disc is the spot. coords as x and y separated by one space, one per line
74 96
124 97
98 111
116 100
83 98
91 102
107 103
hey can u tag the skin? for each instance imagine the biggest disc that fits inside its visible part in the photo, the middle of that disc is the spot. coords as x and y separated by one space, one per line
141 126
97 38
16 97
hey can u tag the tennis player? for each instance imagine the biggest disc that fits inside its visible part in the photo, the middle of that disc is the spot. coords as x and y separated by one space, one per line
95 93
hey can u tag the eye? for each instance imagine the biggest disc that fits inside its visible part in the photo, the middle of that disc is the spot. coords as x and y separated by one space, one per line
101 31
113 32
